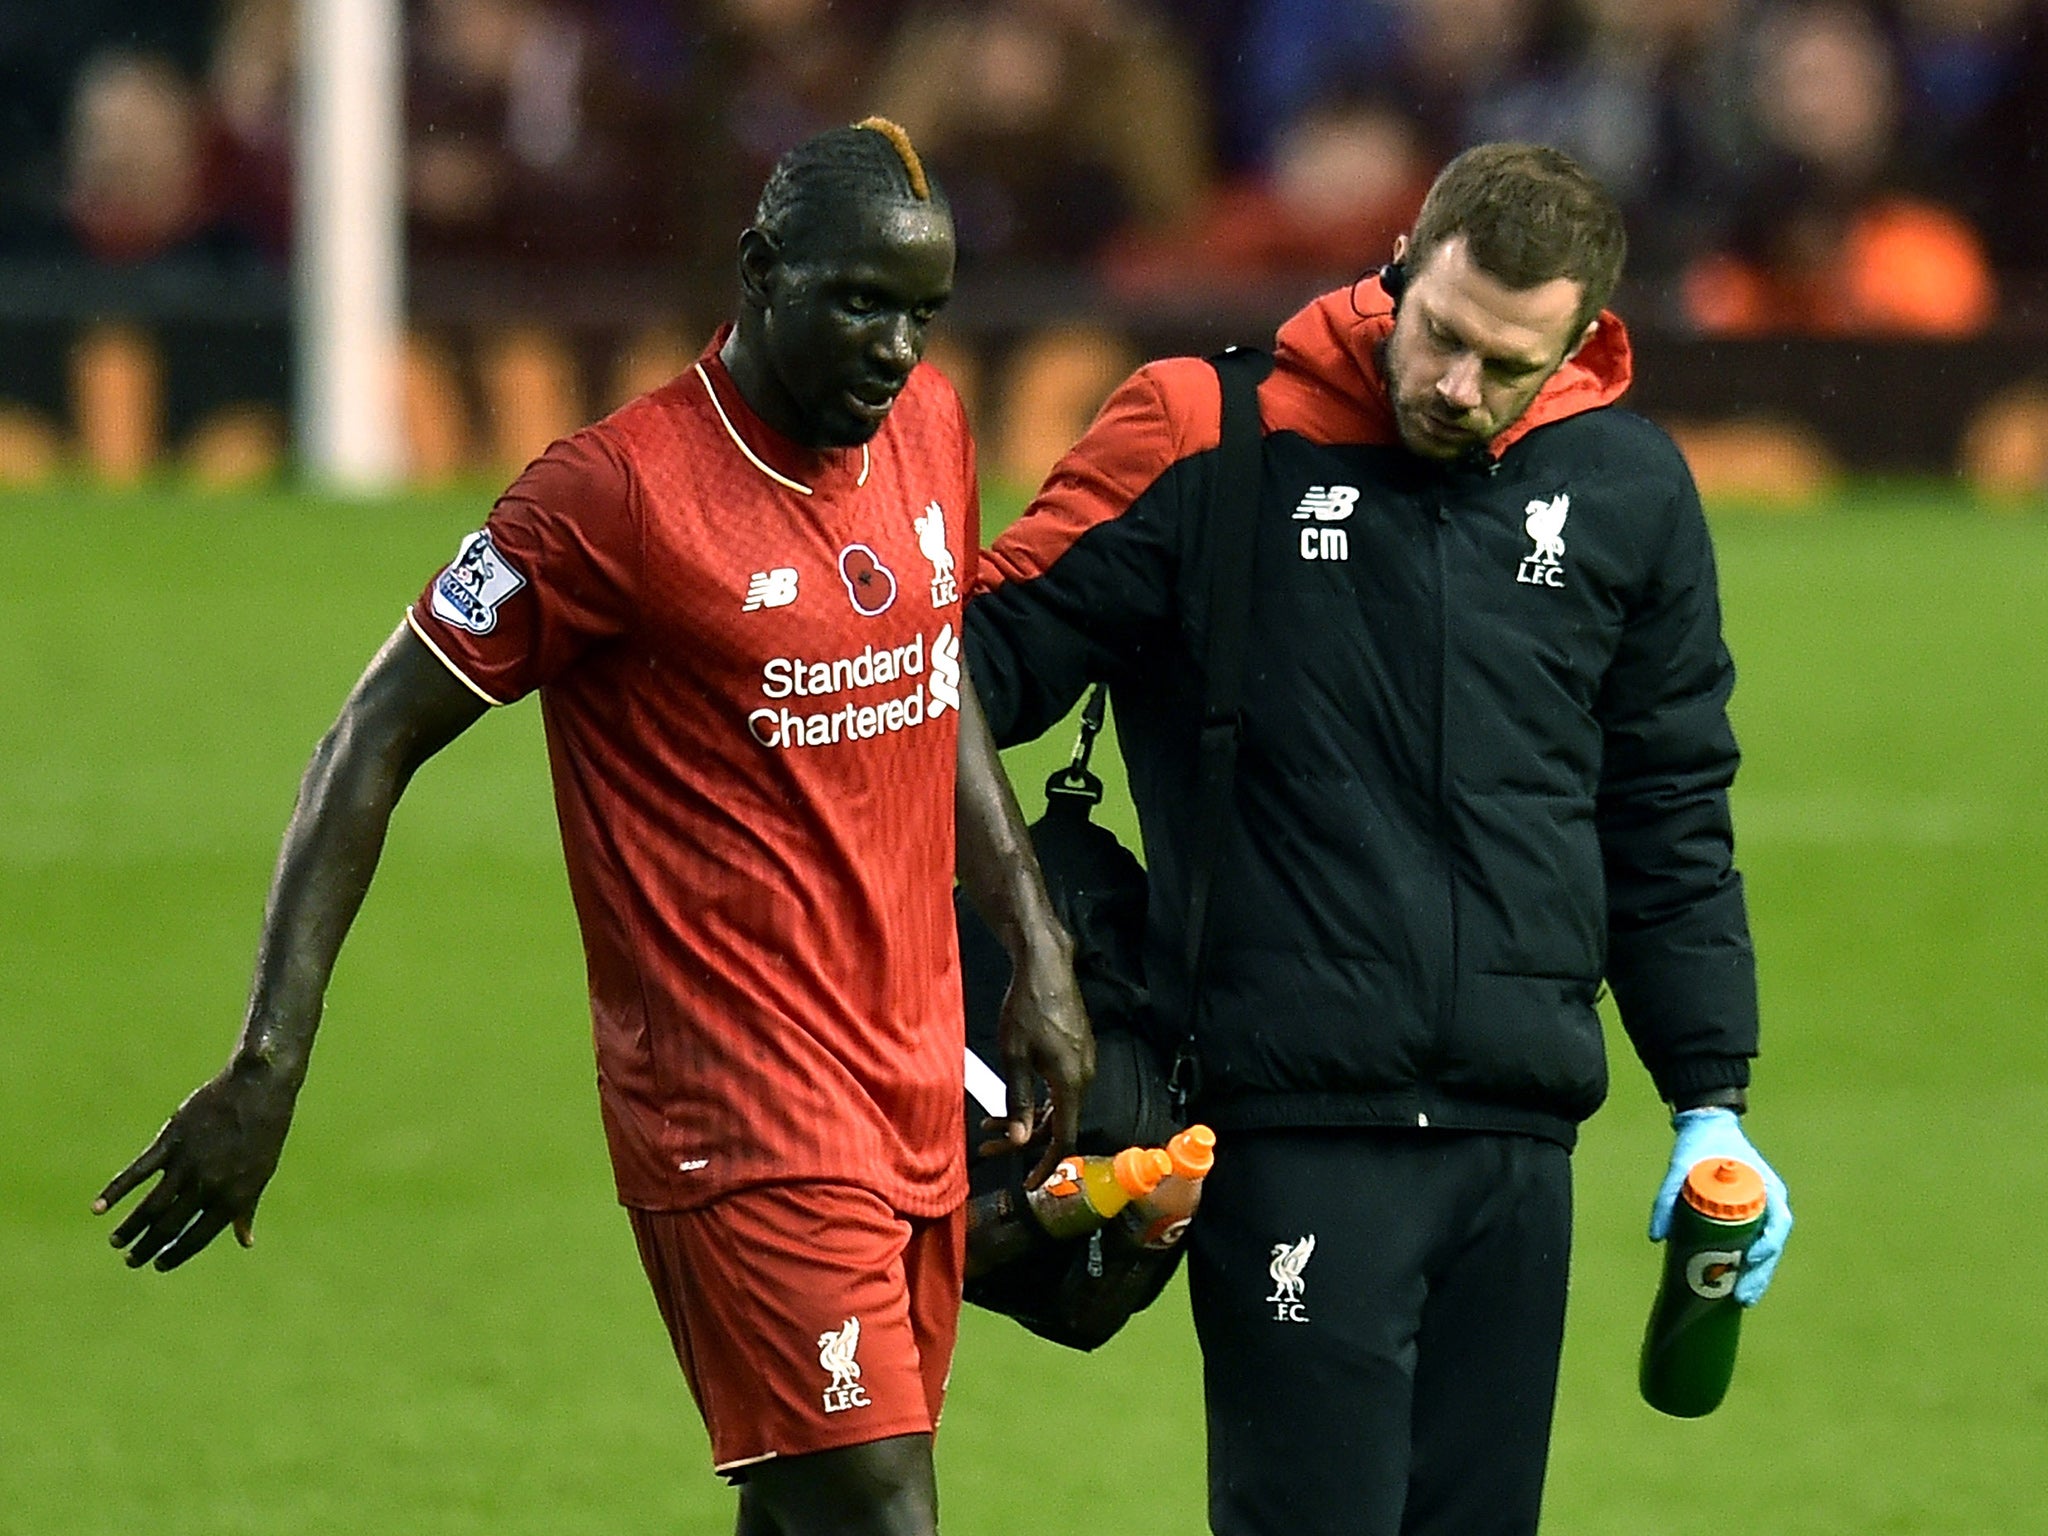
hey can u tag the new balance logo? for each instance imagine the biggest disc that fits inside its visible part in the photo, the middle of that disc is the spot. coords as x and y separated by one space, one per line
1327 503
1322 505
771 589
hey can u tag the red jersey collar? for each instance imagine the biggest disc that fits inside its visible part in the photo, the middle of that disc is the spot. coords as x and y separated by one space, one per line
1336 341
790 464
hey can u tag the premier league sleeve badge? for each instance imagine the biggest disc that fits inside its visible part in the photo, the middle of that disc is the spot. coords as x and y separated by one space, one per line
470 592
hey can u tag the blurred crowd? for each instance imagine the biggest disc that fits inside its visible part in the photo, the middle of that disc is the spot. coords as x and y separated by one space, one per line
1862 167
1821 165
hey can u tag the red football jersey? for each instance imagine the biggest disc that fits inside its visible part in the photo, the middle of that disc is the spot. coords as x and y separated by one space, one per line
748 654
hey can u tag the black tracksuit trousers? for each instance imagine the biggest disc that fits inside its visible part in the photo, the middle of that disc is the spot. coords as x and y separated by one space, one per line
1380 1314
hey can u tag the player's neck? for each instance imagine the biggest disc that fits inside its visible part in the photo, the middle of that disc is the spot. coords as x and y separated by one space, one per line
761 391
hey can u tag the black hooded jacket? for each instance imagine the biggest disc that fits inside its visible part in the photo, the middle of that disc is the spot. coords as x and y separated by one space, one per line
1486 752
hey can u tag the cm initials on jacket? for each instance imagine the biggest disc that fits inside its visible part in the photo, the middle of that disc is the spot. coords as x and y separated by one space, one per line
1485 752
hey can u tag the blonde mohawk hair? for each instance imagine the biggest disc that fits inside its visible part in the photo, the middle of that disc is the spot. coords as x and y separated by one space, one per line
899 141
872 158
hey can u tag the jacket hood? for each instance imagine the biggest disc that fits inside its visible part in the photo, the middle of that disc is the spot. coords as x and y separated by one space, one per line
1326 360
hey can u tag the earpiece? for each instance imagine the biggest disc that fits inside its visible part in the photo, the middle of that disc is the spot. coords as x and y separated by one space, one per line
1393 278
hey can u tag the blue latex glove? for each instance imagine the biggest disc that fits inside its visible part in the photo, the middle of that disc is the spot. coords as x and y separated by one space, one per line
1704 1133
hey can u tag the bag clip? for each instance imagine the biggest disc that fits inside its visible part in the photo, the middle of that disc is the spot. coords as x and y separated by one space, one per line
1075 782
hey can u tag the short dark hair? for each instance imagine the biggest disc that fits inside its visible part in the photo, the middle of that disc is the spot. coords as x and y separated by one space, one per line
1529 214
873 158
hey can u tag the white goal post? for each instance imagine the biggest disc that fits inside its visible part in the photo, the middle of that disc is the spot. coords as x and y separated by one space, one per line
349 262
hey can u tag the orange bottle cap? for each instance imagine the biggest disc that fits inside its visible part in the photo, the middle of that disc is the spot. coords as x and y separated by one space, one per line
1724 1189
1193 1151
1139 1169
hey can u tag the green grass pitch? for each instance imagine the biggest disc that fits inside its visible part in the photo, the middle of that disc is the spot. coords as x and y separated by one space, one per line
442 1328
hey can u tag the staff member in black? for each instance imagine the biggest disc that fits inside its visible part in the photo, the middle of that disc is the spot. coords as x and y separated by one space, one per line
1483 766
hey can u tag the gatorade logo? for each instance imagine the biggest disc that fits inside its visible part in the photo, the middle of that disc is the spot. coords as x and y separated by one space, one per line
1711 1273
1064 1180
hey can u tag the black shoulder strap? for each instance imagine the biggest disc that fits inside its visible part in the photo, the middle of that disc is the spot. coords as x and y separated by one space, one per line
1232 523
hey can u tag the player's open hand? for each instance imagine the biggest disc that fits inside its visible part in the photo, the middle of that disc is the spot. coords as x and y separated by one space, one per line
1044 1033
215 1155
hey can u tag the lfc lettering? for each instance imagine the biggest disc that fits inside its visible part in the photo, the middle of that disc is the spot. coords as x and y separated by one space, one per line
836 1348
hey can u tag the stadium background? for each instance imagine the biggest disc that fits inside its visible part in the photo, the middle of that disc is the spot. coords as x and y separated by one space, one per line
442 1328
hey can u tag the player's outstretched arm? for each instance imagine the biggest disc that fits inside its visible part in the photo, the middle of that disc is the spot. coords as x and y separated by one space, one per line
216 1153
1044 1025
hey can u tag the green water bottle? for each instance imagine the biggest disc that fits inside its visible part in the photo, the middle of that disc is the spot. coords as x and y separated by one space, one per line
1689 1346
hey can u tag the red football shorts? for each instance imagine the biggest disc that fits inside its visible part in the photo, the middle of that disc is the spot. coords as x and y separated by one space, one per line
807 1316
